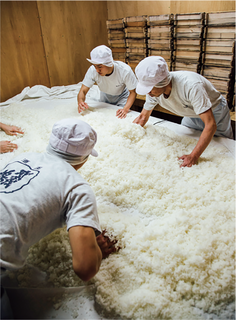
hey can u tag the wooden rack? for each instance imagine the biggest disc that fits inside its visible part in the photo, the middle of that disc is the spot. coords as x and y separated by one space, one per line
135 35
160 37
188 41
116 39
199 42
219 53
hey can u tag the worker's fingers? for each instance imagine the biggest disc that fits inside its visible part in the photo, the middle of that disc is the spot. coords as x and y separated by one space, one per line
13 130
121 113
17 130
82 106
187 161
7 146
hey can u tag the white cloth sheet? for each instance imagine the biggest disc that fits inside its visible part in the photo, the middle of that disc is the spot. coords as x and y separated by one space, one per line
41 92
58 303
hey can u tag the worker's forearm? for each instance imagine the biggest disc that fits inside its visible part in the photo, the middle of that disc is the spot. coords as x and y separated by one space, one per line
89 267
81 97
203 142
130 101
97 259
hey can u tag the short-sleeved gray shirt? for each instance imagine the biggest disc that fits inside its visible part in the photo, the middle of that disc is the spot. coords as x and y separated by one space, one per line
122 77
38 194
191 95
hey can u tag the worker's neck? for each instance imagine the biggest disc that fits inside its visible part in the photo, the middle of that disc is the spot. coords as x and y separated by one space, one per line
78 166
110 71
167 91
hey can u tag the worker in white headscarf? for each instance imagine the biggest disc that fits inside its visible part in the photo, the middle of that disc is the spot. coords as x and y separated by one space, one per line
115 79
41 192
187 94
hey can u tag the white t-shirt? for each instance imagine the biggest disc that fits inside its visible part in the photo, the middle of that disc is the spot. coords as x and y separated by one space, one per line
114 84
191 95
38 194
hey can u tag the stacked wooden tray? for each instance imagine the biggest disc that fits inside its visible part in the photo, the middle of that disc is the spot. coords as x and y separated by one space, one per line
188 39
116 39
160 37
199 42
219 53
135 37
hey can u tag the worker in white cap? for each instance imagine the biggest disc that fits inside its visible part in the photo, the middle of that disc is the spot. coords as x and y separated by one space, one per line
115 79
41 192
187 94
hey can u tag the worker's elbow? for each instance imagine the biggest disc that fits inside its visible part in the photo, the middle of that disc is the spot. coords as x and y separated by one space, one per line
214 127
85 274
211 127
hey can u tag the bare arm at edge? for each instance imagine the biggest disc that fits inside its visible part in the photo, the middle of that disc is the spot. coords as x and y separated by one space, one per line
121 113
204 140
82 105
88 251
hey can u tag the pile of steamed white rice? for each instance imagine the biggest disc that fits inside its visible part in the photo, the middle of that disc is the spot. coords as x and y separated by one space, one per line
175 226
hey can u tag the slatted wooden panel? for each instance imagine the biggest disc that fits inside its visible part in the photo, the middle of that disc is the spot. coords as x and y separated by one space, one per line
189 37
160 37
219 53
135 35
116 38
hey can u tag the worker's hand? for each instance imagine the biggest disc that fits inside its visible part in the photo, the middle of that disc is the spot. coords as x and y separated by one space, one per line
82 106
106 245
121 113
188 160
7 146
11 130
140 120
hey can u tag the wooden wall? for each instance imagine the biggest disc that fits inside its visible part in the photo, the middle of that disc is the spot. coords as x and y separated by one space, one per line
121 9
23 60
47 42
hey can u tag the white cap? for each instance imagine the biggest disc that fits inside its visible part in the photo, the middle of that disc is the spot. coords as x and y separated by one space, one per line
101 55
73 136
150 71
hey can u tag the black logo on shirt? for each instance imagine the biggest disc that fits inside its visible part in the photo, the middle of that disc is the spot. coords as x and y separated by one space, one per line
16 175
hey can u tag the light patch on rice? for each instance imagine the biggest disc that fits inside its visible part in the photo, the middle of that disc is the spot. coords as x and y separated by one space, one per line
175 226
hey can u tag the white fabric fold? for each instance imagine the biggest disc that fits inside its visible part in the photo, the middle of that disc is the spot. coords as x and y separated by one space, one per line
43 92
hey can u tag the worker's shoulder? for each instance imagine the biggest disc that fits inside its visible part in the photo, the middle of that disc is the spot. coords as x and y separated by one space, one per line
24 158
122 66
185 74
187 78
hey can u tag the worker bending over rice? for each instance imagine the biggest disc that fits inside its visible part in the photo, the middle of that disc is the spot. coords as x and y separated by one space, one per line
186 94
41 192
115 79
8 146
